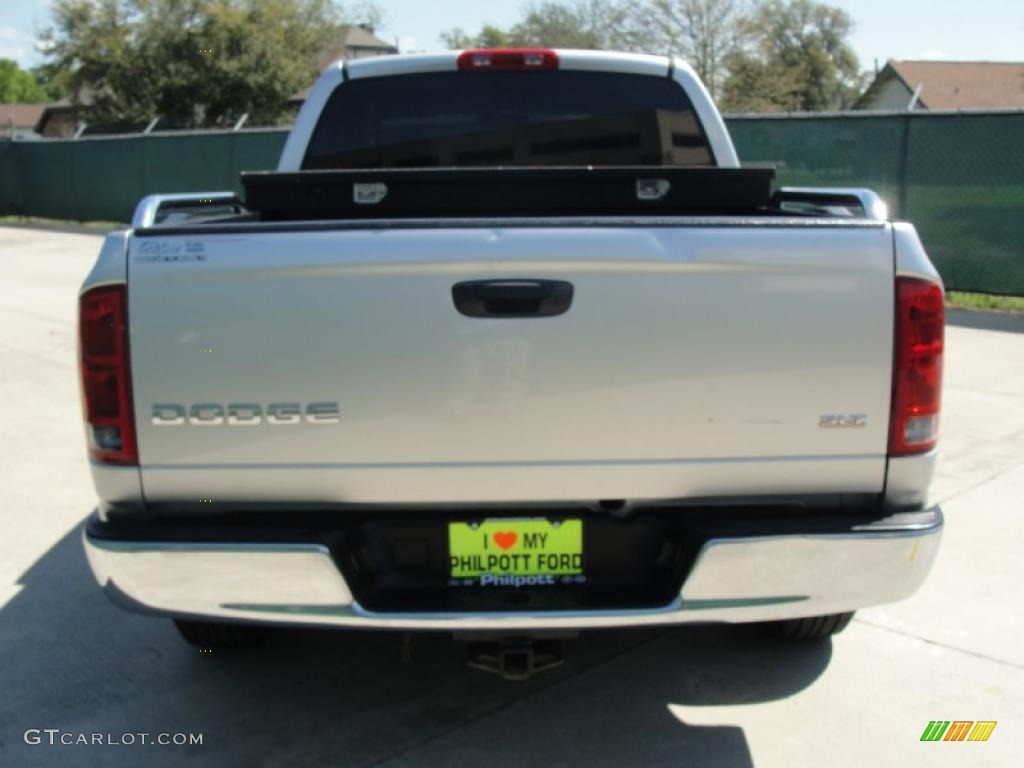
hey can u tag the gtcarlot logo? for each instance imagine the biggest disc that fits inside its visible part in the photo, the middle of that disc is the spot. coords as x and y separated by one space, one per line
55 736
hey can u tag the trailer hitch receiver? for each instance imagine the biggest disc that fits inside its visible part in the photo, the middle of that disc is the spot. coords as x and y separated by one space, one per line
515 658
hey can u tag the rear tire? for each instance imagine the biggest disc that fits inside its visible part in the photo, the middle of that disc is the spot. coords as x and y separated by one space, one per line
222 636
811 628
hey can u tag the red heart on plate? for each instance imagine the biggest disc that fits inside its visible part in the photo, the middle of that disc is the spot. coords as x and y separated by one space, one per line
505 539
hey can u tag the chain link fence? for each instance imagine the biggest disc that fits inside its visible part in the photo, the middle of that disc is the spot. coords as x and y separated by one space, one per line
959 177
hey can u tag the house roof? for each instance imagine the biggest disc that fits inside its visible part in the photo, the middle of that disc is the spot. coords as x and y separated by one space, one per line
353 38
959 84
361 36
61 106
25 115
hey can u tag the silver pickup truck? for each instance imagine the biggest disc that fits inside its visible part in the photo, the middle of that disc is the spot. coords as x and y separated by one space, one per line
511 344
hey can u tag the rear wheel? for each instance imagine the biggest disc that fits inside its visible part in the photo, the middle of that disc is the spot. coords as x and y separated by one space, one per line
211 634
811 627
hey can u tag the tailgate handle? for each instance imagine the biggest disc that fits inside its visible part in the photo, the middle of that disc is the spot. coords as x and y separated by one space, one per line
512 298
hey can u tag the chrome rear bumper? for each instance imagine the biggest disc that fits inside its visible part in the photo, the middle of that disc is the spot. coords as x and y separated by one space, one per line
734 579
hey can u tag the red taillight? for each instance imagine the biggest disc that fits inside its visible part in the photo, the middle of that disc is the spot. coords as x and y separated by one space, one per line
508 58
917 376
106 379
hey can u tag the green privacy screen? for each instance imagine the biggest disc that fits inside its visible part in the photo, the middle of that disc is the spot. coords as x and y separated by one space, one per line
102 178
958 176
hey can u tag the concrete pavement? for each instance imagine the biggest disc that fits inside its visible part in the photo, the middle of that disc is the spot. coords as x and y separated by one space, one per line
707 696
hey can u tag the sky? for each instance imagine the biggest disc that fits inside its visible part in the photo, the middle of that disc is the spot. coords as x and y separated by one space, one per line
985 30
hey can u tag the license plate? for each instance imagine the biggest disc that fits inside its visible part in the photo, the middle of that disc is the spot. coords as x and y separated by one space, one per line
524 552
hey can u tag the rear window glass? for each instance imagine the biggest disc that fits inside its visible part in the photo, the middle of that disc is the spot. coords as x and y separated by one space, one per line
549 118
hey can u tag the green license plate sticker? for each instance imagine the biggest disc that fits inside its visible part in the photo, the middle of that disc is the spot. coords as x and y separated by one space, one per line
492 551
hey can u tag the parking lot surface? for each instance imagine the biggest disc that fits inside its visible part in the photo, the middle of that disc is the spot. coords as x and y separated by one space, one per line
700 696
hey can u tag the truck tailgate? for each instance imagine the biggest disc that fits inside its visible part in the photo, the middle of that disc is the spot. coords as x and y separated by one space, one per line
697 358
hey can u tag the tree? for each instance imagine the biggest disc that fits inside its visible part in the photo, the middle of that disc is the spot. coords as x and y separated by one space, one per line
755 86
796 57
703 32
19 86
191 62
53 83
587 24
556 24
489 36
